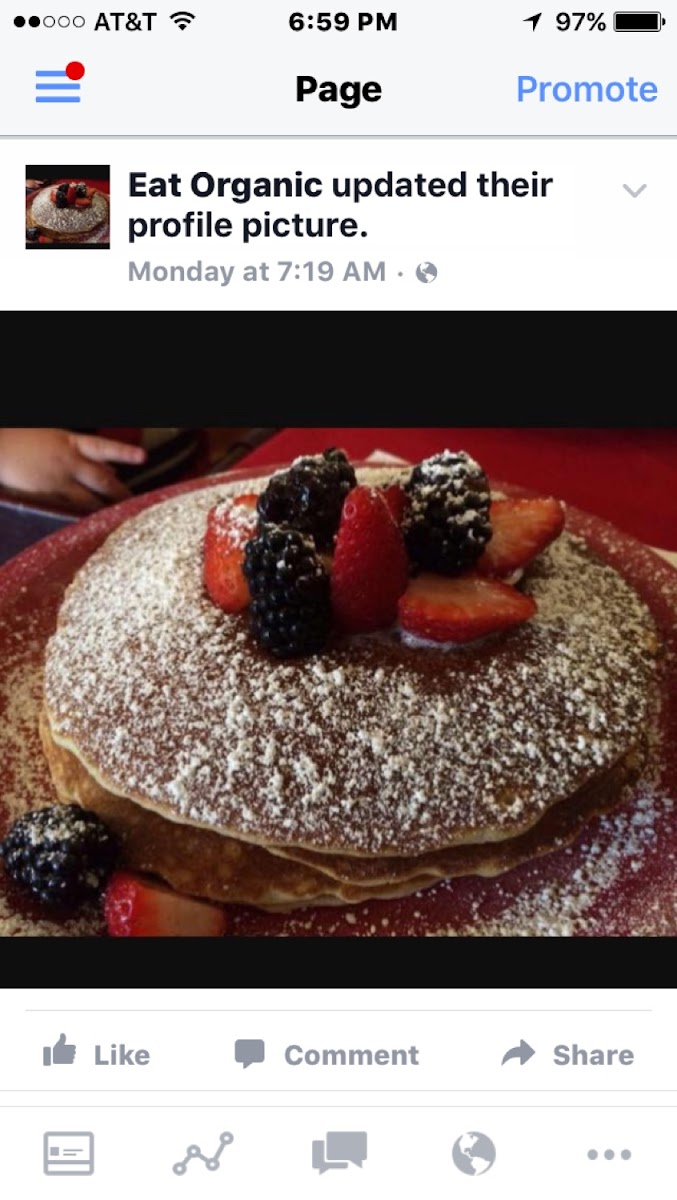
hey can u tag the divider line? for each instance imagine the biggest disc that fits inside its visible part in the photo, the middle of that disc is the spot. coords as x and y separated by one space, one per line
422 1011
341 1091
374 1107
349 137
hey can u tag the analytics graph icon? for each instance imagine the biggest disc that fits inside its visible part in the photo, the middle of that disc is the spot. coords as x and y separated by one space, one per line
194 1152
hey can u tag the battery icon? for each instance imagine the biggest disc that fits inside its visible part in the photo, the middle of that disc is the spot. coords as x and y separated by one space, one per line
638 22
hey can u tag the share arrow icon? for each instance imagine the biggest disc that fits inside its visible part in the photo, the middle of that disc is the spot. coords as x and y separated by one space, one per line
534 20
524 1052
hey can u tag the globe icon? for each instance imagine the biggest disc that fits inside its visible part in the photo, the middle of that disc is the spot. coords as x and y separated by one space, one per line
426 272
473 1153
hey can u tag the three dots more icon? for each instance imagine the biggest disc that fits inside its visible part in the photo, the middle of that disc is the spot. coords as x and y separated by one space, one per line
609 1155
194 1152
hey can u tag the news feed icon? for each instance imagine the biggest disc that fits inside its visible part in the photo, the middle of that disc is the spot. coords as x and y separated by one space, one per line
68 1153
68 207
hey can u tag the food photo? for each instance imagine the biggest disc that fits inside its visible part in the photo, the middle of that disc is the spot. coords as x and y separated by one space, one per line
363 683
68 207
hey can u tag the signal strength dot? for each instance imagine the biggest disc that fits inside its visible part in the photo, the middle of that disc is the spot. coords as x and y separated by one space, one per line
182 19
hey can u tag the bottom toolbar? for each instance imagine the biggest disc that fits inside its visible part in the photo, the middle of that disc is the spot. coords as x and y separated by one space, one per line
394 1151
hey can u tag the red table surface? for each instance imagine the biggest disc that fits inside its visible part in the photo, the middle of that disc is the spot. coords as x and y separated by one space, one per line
627 476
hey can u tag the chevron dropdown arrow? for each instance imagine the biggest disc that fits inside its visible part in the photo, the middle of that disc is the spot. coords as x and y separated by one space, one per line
634 194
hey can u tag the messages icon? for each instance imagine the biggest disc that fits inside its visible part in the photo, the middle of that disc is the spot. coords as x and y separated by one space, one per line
338 1149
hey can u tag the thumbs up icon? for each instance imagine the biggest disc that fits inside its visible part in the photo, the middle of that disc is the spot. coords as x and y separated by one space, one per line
62 1052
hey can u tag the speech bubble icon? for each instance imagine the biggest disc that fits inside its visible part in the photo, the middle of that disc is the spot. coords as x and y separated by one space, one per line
249 1050
348 1146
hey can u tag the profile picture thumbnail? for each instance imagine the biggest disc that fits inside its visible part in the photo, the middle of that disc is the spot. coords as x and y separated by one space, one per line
68 207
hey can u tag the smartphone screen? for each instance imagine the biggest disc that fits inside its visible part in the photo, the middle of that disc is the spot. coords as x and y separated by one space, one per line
422 156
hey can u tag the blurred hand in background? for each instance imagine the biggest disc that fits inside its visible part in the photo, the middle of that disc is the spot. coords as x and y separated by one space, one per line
57 466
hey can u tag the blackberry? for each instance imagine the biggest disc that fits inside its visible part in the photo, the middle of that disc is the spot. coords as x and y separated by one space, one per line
447 525
61 200
339 460
290 608
309 496
62 854
32 235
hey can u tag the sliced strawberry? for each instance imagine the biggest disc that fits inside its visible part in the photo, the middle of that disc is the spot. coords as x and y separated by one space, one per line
520 529
370 569
82 202
229 526
397 500
138 907
461 609
71 193
52 195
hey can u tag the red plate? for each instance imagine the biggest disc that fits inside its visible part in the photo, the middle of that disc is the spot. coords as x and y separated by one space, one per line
619 880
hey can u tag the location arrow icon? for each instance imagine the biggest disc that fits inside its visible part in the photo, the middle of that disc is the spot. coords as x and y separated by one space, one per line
524 1052
534 20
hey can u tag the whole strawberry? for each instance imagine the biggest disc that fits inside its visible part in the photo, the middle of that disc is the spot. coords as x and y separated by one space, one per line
370 570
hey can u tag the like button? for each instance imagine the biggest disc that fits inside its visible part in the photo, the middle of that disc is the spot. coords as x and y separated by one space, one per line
62 1052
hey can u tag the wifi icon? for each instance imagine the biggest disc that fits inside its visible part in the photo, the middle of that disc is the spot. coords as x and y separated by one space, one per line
182 19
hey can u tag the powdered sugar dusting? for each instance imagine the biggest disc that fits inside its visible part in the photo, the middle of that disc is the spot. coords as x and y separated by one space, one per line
580 897
234 523
582 902
70 221
373 746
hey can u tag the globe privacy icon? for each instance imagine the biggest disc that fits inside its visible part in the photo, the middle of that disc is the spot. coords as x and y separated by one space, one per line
426 272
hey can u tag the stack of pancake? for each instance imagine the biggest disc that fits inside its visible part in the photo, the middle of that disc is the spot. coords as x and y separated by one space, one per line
68 225
374 769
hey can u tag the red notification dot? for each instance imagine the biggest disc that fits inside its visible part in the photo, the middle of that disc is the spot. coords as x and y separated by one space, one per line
75 70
